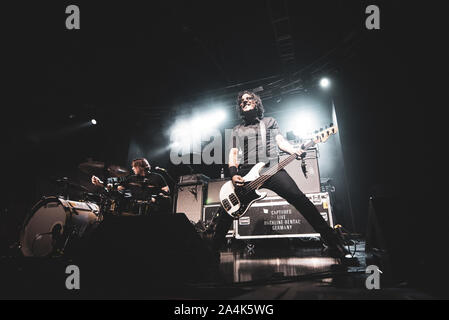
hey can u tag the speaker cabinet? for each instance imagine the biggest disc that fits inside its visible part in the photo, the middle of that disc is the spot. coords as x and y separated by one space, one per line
311 183
190 200
213 190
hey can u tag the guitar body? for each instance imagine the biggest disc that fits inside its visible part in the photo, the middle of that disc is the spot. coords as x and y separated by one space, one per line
237 200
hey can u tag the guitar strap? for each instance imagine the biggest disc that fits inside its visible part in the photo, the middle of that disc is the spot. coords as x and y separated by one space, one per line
263 133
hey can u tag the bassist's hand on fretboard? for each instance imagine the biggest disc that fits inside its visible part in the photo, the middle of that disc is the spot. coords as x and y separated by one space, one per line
300 153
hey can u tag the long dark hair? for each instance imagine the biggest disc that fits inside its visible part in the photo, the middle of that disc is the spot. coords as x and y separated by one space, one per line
259 105
142 163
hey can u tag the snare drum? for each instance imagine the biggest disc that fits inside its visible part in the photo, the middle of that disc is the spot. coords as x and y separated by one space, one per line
55 223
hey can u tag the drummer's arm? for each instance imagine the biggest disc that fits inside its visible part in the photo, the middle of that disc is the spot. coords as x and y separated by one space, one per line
165 194
96 181
166 189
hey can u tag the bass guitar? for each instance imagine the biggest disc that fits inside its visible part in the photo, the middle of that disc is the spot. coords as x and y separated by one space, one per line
236 200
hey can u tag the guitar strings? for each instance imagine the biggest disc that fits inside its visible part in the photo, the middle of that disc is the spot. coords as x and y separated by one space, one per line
255 184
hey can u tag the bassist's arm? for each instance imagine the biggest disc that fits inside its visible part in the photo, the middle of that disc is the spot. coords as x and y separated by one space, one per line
233 165
284 145
233 158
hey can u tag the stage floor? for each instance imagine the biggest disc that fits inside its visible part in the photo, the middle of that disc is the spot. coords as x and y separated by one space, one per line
261 270
257 263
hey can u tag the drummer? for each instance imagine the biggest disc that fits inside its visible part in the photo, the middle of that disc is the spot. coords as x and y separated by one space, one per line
144 185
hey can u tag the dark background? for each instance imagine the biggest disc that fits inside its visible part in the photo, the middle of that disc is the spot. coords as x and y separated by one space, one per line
135 67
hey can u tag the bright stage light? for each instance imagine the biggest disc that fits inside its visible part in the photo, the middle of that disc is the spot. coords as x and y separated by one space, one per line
186 134
93 121
183 133
325 83
212 119
201 123
220 115
303 125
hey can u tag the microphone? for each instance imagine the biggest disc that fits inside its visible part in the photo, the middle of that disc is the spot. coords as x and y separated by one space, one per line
166 173
304 168
194 191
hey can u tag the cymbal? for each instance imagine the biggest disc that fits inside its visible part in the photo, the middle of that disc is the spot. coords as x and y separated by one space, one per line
97 168
141 185
92 167
135 184
117 171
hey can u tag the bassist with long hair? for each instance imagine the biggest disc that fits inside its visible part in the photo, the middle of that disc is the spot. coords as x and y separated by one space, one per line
257 139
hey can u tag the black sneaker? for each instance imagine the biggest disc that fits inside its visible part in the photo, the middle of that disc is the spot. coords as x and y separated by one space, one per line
334 245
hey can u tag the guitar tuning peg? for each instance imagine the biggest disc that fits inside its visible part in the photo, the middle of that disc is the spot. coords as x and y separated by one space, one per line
331 124
316 131
321 129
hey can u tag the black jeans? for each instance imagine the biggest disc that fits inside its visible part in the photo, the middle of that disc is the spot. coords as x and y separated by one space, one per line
285 187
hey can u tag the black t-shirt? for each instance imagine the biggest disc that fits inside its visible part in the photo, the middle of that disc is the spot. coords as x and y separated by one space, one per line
246 137
143 187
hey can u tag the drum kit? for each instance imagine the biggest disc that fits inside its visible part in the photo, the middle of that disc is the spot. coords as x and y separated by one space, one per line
56 223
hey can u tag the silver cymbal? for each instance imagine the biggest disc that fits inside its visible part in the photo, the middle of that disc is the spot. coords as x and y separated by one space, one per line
117 171
92 167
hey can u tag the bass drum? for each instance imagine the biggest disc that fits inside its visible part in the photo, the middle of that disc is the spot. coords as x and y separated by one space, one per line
54 224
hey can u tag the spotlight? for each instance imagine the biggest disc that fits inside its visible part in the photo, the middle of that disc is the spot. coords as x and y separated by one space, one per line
182 133
220 115
325 83
93 121
213 119
303 124
187 133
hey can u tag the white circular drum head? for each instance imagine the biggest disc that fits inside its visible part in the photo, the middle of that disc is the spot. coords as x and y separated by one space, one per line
37 235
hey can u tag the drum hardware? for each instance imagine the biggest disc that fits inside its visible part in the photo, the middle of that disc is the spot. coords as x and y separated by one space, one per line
130 206
144 207
115 180
66 185
92 197
56 223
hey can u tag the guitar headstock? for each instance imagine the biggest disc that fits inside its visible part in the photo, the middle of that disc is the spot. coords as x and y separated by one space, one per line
324 134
